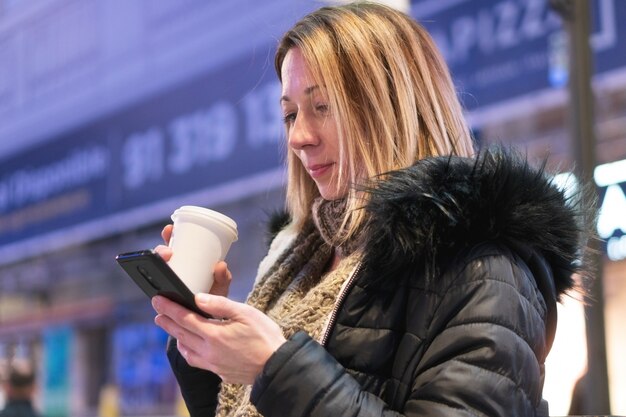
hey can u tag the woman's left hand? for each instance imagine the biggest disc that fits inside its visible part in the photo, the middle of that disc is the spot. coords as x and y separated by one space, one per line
235 348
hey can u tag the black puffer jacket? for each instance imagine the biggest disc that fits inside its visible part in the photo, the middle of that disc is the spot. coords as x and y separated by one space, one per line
452 311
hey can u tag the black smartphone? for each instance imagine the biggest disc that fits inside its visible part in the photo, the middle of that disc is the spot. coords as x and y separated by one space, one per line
155 277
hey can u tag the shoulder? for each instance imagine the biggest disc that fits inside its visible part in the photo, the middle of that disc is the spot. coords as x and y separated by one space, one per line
492 285
499 270
493 269
485 329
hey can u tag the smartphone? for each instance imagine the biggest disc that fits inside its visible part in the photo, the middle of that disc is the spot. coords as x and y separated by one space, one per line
155 277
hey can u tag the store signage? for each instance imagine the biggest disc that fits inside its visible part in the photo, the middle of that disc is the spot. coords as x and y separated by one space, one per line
57 363
611 180
138 164
499 50
141 371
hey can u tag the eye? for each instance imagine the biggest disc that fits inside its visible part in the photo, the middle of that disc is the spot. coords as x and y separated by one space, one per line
289 118
321 108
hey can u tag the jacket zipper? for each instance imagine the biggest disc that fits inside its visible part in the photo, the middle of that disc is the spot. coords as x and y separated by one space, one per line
340 299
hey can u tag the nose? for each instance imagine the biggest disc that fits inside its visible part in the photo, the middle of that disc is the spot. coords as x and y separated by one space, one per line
303 132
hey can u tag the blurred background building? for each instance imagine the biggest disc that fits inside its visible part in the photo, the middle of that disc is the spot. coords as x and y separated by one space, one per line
113 113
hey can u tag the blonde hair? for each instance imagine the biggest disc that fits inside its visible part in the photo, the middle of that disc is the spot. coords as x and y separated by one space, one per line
389 90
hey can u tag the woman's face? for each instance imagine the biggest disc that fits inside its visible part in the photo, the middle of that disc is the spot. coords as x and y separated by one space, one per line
311 127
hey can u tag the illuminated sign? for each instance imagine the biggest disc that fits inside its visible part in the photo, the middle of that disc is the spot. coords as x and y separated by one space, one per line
203 142
611 180
499 50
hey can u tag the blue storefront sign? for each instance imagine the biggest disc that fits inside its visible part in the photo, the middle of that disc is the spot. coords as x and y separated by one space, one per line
139 163
141 371
57 360
499 50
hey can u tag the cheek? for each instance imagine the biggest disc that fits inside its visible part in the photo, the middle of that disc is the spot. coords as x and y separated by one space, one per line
332 138
296 155
294 158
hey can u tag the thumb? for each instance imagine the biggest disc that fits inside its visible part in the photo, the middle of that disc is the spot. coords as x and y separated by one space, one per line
218 306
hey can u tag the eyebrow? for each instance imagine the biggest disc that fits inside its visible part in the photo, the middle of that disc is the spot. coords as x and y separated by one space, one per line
307 91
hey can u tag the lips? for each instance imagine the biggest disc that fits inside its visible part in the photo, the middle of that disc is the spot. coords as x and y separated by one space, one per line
316 171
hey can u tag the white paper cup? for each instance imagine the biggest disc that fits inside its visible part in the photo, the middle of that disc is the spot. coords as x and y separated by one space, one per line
200 238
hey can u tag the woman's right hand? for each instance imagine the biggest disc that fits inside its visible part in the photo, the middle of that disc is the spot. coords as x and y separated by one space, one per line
221 274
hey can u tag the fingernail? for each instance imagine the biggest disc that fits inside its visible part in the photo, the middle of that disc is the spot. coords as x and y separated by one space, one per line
203 298
156 302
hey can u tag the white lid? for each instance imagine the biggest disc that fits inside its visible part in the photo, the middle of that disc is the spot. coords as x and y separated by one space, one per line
208 214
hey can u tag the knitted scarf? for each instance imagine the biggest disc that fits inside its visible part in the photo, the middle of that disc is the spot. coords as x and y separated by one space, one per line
296 292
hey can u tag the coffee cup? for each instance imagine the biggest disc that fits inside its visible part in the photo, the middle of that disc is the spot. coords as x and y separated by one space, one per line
200 238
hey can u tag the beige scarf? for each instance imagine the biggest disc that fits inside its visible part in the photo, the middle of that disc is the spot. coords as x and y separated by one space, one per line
296 292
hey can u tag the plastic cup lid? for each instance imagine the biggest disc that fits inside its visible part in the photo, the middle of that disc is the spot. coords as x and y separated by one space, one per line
208 214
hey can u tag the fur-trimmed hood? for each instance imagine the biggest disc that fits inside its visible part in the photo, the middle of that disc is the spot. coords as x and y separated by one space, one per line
440 206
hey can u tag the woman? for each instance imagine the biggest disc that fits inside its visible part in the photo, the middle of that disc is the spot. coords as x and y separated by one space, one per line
411 278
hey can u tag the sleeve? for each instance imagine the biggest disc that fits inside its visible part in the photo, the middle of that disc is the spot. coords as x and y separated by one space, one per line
477 358
302 379
198 387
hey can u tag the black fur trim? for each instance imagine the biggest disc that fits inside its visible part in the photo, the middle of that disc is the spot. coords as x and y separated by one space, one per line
278 220
423 215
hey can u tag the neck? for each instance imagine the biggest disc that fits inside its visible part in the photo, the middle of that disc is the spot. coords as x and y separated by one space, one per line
328 216
334 261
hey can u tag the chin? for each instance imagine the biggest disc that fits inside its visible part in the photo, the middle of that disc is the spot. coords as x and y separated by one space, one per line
331 194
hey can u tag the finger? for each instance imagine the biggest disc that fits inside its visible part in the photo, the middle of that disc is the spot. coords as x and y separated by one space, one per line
164 252
176 312
190 355
221 279
182 335
180 315
172 309
218 306
166 233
